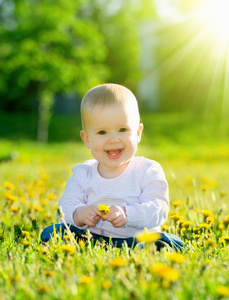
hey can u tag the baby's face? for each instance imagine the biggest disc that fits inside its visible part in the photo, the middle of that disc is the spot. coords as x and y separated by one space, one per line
112 134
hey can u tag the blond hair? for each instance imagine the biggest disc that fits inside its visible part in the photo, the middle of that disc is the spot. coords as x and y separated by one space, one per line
107 95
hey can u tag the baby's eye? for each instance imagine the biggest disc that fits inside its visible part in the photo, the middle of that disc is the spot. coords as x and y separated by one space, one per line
102 132
122 129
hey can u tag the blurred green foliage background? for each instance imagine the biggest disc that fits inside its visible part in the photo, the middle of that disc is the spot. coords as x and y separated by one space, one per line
169 53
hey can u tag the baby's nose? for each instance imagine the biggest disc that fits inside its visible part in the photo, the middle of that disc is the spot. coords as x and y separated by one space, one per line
114 138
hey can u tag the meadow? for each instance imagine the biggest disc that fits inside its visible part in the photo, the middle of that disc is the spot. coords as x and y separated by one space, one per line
194 154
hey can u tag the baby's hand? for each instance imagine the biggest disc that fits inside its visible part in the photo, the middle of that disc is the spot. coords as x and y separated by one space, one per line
116 216
87 215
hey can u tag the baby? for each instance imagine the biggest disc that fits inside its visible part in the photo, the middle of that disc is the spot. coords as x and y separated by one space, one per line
134 187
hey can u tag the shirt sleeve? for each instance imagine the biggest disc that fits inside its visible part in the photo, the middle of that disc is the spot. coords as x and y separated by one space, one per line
73 196
153 207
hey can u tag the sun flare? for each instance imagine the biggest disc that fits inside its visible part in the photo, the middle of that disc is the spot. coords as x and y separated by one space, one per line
216 14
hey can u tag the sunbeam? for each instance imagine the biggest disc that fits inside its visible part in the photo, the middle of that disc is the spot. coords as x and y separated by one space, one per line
195 64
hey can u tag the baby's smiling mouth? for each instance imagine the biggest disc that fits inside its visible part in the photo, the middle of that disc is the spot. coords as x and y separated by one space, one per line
114 153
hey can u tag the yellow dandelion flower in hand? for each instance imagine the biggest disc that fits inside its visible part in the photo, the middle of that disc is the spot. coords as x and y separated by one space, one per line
148 237
104 208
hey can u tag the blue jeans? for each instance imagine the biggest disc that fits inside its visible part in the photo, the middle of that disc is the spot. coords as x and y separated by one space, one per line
166 239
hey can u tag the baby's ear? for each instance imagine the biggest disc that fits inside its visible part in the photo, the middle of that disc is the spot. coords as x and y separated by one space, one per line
85 138
139 132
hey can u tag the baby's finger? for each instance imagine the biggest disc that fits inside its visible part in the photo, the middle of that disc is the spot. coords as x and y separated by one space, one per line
117 220
96 218
90 223
113 216
120 223
97 211
104 217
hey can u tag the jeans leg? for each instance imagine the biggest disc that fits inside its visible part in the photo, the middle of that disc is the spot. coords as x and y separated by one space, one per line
48 232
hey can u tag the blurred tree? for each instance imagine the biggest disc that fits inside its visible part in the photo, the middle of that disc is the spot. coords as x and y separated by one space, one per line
120 22
47 46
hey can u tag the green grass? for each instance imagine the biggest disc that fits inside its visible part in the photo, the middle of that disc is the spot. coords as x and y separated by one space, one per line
194 155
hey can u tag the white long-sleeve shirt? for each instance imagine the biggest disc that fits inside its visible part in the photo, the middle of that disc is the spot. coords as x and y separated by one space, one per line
142 189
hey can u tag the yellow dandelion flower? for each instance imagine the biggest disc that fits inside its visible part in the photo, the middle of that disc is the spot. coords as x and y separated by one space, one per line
176 217
51 196
118 262
14 209
222 193
81 243
206 212
187 224
48 273
41 250
204 187
66 237
171 212
225 239
26 234
147 237
226 221
106 284
43 288
165 272
43 201
177 203
47 215
204 226
210 219
22 200
104 208
9 185
166 284
222 291
40 182
221 226
37 207
196 229
15 278
175 257
165 227
197 236
180 222
10 197
85 280
210 243
26 243
69 249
